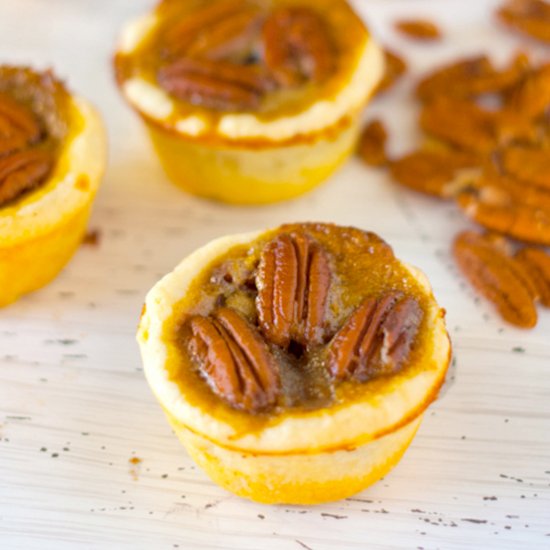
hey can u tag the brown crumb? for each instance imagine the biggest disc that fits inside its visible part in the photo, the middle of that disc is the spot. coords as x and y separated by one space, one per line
92 237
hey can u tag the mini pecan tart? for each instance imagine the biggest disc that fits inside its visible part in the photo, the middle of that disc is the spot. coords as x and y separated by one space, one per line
294 364
52 156
249 101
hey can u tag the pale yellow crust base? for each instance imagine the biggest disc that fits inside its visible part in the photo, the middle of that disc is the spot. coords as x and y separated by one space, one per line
238 175
298 478
32 264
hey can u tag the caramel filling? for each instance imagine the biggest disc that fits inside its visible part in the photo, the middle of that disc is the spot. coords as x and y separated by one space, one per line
300 319
32 124
252 56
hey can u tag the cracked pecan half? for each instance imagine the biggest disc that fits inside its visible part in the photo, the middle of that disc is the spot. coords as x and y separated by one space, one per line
497 276
297 46
234 360
18 126
293 281
216 84
21 172
536 263
377 338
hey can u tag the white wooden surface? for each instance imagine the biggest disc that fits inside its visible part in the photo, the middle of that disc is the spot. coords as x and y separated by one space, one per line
74 405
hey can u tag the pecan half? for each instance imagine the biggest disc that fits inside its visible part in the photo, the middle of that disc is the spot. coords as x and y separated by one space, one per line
394 68
293 281
497 277
377 338
467 126
216 84
18 126
530 99
21 172
432 172
372 144
297 46
232 36
185 32
471 77
527 163
234 360
512 207
529 16
420 29
536 263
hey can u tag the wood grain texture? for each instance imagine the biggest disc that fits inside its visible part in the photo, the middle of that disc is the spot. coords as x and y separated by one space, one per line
74 405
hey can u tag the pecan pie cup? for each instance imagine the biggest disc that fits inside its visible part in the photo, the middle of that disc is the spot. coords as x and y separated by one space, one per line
294 364
249 101
52 157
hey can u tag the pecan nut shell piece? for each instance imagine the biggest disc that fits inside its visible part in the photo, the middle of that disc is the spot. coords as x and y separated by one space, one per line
497 277
234 360
377 338
22 172
18 126
297 47
293 282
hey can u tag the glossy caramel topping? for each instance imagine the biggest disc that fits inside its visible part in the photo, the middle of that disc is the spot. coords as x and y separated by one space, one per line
32 124
264 56
298 319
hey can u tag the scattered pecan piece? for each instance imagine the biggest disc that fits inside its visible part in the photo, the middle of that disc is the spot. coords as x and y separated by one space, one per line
216 84
297 46
471 77
377 338
530 99
18 126
234 360
21 172
465 125
537 264
497 277
527 163
372 144
529 16
420 29
432 172
293 281
502 204
395 68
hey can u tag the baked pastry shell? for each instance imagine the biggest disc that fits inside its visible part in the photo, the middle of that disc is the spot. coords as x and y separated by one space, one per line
40 232
247 165
306 457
